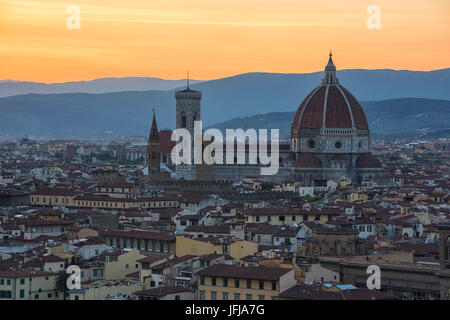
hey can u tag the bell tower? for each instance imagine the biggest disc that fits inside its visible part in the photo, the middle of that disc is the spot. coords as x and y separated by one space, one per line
187 108
154 152
187 112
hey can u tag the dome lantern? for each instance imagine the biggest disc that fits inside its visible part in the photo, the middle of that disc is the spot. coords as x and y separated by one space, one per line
330 72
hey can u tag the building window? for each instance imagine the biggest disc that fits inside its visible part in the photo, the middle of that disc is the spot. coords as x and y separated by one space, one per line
236 283
213 281
249 284
225 282
225 296
248 296
202 295
202 280
237 296
22 293
261 297
22 281
36 297
282 218
274 285
183 120
213 295
261 284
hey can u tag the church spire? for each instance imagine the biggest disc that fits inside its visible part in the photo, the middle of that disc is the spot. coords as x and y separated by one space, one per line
154 134
187 79
330 72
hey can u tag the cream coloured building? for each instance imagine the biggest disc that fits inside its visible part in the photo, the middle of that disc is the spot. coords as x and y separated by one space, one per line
228 282
237 249
28 285
119 265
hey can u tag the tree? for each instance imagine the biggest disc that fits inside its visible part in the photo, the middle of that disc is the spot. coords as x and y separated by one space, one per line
61 282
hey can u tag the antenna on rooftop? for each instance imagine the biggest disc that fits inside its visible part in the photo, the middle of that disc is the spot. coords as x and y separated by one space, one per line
187 79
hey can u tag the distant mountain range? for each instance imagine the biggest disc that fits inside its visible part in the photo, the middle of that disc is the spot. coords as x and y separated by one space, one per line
387 118
12 88
241 96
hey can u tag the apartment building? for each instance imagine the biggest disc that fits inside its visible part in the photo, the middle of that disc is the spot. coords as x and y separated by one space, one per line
230 282
28 285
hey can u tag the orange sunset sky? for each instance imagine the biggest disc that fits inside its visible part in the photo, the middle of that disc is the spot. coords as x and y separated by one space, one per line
216 38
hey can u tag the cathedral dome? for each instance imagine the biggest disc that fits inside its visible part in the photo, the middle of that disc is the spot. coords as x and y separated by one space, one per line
329 106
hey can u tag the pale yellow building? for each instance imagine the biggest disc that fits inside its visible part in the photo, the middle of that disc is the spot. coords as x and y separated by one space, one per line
28 285
120 264
229 282
236 249
52 197
285 216
105 290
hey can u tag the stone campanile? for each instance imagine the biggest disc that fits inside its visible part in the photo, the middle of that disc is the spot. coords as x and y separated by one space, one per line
187 108
188 111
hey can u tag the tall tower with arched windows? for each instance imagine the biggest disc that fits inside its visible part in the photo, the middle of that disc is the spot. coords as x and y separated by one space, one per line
187 108
187 112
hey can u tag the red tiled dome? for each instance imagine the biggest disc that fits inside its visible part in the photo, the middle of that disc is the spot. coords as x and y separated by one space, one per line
367 161
329 106
308 160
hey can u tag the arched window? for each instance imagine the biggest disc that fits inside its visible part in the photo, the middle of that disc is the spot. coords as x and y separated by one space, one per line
183 120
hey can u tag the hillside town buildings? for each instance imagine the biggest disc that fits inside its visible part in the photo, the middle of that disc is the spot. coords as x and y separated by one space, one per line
120 211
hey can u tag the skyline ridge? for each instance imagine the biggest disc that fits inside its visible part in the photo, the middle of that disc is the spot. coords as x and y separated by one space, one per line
212 79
